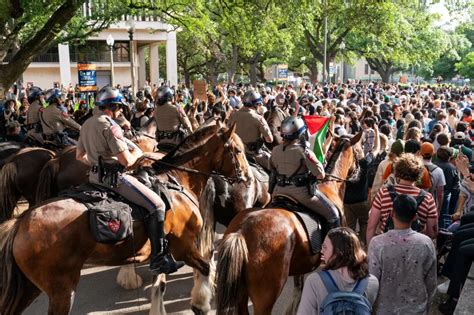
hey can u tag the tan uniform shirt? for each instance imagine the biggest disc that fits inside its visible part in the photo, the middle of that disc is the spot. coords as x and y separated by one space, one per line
55 119
295 159
101 136
250 126
275 118
169 117
32 115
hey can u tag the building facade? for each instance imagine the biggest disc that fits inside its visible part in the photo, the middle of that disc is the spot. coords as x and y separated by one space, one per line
59 64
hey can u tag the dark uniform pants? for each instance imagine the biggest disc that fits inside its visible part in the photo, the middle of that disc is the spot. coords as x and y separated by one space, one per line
133 190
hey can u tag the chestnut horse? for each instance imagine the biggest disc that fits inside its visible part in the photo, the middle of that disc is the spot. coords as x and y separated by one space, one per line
19 177
44 249
262 247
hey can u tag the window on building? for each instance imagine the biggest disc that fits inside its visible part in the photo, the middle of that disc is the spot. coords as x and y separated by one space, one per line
366 70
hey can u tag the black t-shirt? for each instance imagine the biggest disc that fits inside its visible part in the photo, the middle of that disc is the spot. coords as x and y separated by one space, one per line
358 191
451 175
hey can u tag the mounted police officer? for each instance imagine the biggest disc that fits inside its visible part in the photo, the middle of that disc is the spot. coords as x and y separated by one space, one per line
172 123
102 143
294 166
252 128
33 125
55 119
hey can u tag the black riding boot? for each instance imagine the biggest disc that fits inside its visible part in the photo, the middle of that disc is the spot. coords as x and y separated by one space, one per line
161 260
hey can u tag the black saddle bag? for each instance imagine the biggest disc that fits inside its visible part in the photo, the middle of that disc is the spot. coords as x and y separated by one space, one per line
111 222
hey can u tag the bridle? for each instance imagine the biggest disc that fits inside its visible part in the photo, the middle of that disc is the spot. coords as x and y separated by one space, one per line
332 162
230 179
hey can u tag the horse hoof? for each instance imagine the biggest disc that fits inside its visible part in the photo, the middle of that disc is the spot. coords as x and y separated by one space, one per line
128 279
197 311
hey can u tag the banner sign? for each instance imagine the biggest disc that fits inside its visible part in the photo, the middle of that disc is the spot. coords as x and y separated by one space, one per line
200 90
282 73
87 77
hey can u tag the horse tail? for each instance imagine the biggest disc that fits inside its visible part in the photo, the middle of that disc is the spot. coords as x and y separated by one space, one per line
205 239
13 282
8 191
231 263
47 187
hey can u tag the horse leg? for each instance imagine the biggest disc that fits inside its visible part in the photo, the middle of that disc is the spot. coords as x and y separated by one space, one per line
297 292
157 293
203 289
61 291
127 277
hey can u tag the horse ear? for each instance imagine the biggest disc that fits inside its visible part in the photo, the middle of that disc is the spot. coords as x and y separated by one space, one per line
356 138
231 131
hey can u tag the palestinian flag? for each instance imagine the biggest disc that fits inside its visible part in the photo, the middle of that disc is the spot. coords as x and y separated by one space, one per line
318 127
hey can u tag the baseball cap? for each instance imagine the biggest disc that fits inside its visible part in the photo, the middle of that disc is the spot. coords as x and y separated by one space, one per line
427 150
459 135
467 111
397 147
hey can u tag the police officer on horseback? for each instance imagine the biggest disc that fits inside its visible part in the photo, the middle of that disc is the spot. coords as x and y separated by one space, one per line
252 128
172 123
294 167
33 125
102 143
55 119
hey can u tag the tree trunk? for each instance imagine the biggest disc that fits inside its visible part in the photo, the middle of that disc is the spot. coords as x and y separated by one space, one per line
232 69
39 43
313 72
187 78
261 71
212 71
253 68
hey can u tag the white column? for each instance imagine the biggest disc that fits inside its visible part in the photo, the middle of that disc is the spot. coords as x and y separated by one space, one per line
154 64
171 60
64 64
141 66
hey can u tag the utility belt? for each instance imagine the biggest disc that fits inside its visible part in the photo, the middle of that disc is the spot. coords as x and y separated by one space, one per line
295 180
60 138
108 172
35 126
298 180
170 134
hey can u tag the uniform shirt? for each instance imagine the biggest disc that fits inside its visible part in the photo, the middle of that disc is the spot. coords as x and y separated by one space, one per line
383 203
274 119
404 261
295 159
169 117
101 136
250 126
32 116
55 119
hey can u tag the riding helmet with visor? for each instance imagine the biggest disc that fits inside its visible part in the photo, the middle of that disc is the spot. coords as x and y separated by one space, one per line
34 93
109 97
164 95
292 128
54 96
252 98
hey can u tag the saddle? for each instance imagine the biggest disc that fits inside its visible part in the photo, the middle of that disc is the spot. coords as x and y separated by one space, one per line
166 147
311 221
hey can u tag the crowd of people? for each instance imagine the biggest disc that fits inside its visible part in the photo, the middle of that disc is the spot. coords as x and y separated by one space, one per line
416 178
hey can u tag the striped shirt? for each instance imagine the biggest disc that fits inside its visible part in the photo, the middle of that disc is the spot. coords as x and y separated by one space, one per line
383 203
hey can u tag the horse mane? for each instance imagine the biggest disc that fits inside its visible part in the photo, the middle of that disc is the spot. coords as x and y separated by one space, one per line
186 150
341 145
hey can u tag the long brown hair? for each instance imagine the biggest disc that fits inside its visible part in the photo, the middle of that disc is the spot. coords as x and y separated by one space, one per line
348 253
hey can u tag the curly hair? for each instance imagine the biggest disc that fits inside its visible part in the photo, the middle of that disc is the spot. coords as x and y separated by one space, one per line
409 167
347 252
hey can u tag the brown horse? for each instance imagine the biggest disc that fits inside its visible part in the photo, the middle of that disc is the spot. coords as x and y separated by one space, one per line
45 248
262 247
19 177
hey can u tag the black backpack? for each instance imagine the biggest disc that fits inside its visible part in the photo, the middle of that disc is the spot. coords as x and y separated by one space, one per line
372 168
416 225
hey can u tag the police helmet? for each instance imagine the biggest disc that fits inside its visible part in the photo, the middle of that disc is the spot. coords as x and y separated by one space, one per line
252 98
54 96
34 93
292 128
109 97
164 95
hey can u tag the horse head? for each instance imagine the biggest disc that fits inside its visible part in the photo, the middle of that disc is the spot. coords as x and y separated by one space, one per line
229 156
343 162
